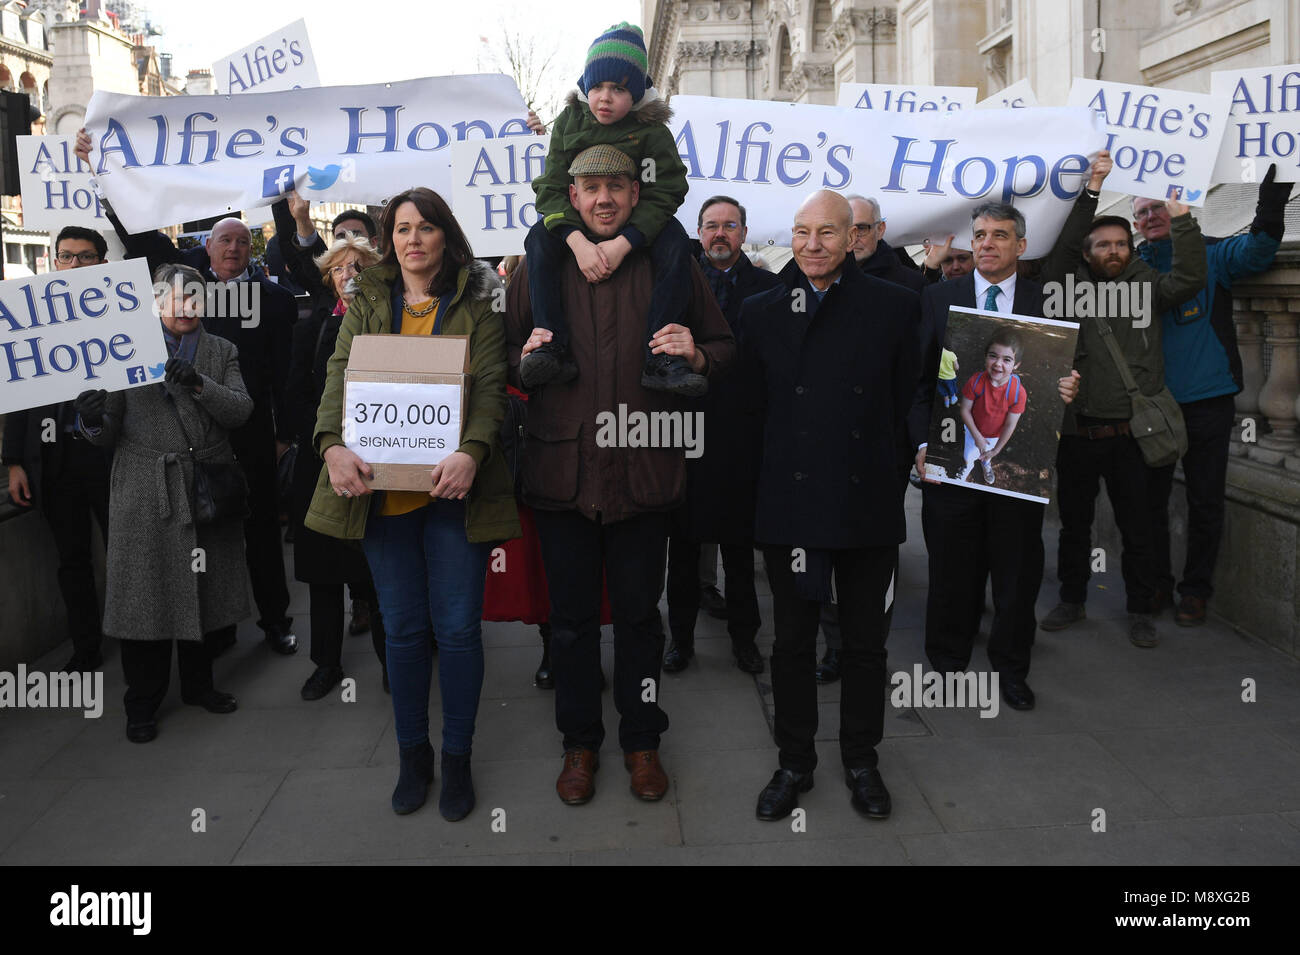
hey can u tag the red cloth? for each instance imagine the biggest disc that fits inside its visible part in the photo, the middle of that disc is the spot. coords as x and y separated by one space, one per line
990 405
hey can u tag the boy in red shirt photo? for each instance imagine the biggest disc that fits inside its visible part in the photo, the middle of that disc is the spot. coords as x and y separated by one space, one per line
992 402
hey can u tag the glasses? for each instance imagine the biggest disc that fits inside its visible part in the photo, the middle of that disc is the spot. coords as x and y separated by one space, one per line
85 258
722 227
339 271
1146 212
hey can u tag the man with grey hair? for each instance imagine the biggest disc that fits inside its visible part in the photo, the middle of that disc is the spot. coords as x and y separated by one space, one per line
259 321
959 524
829 361
873 254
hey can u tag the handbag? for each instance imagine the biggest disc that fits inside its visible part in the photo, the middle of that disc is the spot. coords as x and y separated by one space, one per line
1157 421
513 438
220 487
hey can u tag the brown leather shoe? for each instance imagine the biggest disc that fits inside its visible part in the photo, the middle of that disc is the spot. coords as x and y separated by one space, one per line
649 781
1191 611
577 782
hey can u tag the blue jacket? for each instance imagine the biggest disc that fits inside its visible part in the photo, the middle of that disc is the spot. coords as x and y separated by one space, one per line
1200 339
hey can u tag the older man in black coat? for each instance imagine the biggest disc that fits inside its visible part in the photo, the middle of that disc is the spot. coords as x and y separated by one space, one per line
830 362
720 483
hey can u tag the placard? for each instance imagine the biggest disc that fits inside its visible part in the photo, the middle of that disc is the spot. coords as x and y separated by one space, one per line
387 422
281 60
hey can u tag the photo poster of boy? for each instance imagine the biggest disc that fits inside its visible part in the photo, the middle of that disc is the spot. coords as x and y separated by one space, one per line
997 411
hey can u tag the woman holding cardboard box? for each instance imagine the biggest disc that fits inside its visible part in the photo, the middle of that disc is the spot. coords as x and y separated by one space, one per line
428 551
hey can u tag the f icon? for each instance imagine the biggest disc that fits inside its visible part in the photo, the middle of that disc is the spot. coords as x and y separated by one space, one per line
276 181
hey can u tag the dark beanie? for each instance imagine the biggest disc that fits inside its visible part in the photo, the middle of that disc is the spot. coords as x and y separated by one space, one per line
618 56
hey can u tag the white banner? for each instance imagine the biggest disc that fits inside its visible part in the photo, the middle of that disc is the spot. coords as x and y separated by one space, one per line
492 193
278 61
1263 125
1162 141
166 160
1016 96
926 170
77 330
388 422
900 98
56 186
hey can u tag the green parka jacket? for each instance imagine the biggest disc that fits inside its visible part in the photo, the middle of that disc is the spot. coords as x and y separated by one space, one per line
490 514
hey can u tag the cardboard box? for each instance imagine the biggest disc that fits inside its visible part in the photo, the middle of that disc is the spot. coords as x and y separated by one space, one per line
391 418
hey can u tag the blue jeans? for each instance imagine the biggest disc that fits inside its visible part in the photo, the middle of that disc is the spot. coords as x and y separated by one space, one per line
429 579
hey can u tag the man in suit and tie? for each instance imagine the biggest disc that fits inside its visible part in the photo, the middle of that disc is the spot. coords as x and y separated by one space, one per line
971 536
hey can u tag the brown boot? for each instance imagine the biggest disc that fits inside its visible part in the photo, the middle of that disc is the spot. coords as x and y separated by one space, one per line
1191 611
577 782
649 781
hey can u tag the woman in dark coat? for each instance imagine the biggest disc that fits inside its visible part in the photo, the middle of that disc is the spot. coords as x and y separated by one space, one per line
155 594
326 563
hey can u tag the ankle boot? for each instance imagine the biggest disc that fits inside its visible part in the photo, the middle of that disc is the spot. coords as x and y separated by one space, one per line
413 778
543 678
457 799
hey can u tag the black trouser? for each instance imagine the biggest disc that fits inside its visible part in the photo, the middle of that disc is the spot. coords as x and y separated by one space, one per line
670 256
632 554
69 498
1081 463
971 535
1205 471
861 580
254 446
147 666
327 622
743 618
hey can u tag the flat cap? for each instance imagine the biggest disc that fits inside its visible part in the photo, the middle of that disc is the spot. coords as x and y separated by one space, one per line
602 160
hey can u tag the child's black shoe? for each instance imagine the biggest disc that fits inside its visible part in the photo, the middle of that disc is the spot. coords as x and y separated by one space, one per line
547 363
671 373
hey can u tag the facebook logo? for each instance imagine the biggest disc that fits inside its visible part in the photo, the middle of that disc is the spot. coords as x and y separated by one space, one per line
276 181
135 374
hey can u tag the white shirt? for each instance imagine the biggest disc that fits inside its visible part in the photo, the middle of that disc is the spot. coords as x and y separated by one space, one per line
1006 298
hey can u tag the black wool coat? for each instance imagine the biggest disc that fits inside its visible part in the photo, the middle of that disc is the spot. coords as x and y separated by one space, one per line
833 384
722 482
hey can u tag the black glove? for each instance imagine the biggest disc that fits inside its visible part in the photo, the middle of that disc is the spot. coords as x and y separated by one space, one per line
1270 210
90 407
181 373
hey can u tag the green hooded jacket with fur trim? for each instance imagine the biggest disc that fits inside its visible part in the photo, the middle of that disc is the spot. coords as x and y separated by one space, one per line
642 134
491 514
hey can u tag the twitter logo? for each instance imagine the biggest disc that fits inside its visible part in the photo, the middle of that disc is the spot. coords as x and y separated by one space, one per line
323 178
156 371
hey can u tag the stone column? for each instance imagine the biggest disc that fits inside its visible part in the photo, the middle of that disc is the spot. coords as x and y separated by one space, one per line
1251 345
1278 396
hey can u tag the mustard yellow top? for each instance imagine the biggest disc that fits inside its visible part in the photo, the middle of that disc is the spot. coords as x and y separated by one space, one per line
403 502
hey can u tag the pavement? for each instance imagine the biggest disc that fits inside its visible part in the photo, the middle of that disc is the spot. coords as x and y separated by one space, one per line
1132 757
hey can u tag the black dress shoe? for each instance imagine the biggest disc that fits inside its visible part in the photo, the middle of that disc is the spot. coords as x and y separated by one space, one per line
360 618
870 797
544 679
779 797
713 602
828 671
1017 693
322 680
677 658
748 659
141 731
214 701
282 641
